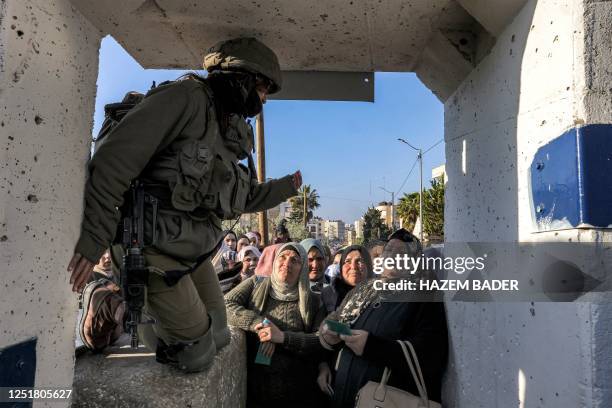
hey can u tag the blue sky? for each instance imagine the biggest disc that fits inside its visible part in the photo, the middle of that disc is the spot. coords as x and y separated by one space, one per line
346 150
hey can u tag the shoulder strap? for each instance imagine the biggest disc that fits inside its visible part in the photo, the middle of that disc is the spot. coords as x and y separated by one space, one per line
418 375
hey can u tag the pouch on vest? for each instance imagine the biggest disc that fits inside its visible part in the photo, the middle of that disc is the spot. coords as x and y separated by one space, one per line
194 175
239 137
241 189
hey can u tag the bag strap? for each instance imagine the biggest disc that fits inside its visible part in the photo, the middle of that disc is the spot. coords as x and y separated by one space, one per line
418 366
381 390
418 375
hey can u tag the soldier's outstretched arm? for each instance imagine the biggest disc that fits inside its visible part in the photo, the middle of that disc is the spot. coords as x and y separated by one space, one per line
271 193
146 129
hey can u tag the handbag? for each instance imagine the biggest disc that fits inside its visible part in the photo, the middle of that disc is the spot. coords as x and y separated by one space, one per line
381 395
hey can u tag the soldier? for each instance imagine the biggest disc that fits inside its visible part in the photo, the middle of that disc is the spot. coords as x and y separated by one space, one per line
184 142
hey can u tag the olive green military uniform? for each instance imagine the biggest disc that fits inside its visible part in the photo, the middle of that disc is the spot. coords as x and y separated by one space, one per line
172 139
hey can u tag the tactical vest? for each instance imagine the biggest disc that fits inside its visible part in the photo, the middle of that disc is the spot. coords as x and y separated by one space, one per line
205 175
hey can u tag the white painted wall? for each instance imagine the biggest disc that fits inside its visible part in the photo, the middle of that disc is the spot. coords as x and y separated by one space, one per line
530 89
48 71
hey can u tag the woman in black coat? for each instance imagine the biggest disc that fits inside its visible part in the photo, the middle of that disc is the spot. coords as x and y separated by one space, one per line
377 320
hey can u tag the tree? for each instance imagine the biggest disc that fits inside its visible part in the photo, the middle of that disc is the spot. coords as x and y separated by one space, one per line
433 209
373 226
297 231
297 204
408 210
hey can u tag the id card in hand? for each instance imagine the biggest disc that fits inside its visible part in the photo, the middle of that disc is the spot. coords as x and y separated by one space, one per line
261 358
338 327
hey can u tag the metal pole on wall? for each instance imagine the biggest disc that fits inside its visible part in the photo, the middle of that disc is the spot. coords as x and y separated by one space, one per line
261 174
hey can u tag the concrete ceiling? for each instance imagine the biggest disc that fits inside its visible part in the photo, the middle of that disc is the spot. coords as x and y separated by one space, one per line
308 35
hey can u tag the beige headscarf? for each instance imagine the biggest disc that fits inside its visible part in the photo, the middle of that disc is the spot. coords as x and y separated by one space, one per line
308 303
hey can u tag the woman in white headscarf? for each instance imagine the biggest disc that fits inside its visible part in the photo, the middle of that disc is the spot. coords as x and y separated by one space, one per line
292 316
249 256
253 238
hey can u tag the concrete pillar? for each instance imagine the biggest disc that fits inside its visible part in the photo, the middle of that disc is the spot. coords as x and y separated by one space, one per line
548 72
48 71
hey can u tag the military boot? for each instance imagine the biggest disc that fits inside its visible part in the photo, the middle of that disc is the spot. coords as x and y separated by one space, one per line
101 321
188 356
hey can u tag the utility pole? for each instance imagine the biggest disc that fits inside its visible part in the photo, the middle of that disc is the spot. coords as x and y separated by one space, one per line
421 195
420 158
261 174
305 208
392 207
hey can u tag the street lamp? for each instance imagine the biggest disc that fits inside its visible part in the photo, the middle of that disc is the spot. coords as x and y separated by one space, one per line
420 158
392 207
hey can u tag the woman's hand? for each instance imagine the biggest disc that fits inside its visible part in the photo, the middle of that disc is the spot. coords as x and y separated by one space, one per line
356 341
324 379
270 332
329 337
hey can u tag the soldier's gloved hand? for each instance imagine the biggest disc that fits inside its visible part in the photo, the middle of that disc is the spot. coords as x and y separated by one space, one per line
81 270
297 179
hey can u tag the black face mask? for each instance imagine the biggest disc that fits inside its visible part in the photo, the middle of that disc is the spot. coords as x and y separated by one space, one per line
235 92
253 103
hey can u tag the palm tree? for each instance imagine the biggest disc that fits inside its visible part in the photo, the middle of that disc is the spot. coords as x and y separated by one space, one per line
408 210
433 203
297 204
374 228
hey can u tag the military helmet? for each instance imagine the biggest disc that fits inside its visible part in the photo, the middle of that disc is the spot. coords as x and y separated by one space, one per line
245 54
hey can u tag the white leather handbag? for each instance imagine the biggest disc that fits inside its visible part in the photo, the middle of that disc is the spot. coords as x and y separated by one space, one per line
381 395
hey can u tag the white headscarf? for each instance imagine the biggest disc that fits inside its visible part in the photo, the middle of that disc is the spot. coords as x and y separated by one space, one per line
251 236
244 250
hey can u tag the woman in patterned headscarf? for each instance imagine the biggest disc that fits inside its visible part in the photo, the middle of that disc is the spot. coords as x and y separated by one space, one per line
377 320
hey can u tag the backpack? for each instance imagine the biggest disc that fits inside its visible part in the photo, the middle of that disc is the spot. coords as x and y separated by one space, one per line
114 112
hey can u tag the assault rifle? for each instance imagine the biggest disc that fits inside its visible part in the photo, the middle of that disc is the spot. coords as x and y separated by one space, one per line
134 273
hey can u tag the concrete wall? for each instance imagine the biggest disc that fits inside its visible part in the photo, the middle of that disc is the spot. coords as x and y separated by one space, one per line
121 377
48 71
548 72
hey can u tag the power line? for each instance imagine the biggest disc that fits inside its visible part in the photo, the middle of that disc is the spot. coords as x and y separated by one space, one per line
406 179
434 145
345 199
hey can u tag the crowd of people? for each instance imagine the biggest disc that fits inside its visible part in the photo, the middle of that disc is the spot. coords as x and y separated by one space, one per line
176 162
283 294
